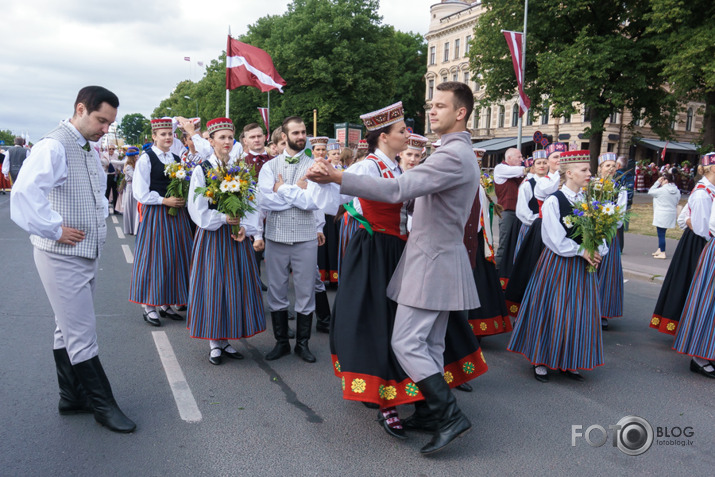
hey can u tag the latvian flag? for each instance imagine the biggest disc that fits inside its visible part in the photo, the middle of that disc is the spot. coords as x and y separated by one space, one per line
514 39
247 65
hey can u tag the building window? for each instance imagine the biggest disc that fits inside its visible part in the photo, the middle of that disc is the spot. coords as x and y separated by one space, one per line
689 120
444 79
430 89
467 41
456 49
567 118
501 116
673 123
545 116
488 119
432 55
610 147
446 51
515 115
466 77
475 119
586 114
455 76
613 119
529 118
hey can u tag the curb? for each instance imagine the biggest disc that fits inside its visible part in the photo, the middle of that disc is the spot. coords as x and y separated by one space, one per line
644 277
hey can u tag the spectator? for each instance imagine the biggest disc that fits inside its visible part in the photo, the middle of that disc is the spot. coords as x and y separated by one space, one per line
665 204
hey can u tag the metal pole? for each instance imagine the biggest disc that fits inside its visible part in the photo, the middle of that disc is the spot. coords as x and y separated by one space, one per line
523 69
228 43
268 117
315 123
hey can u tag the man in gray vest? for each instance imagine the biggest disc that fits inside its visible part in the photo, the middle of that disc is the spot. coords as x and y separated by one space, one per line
434 275
291 236
14 158
59 199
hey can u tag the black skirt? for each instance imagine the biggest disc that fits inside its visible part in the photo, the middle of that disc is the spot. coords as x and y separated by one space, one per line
507 259
675 287
524 266
328 253
362 323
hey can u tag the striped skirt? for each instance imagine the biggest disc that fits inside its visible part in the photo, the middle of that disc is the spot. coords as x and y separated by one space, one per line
696 331
161 258
225 300
522 233
674 291
559 323
524 265
610 281
347 228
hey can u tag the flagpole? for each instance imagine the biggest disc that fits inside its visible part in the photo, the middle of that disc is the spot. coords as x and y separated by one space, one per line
268 117
523 71
228 43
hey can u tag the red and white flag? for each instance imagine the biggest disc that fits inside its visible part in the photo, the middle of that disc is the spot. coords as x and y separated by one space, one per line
200 63
662 154
264 115
247 65
513 39
187 58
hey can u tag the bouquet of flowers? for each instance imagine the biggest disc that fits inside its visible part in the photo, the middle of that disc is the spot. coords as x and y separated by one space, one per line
597 215
180 174
232 189
121 182
487 182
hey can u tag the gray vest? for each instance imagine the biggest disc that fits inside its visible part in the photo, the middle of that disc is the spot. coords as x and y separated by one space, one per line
16 155
294 224
79 201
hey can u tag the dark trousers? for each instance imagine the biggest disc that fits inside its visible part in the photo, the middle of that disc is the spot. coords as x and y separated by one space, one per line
505 224
111 187
661 238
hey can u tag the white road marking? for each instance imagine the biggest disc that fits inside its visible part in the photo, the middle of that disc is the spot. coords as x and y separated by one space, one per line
114 219
625 280
188 410
120 232
128 255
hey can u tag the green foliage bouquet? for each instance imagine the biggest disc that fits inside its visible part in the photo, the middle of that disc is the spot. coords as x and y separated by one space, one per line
597 216
180 175
232 189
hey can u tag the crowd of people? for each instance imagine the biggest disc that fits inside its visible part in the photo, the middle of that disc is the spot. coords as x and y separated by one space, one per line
405 237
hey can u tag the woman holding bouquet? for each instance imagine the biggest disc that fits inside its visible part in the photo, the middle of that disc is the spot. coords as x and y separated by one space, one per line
225 299
161 257
558 325
610 272
694 220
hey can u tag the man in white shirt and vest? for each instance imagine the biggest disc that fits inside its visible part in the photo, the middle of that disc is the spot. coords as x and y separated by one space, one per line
14 158
59 199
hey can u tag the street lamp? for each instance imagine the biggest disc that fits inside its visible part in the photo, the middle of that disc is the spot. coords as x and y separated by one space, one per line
197 104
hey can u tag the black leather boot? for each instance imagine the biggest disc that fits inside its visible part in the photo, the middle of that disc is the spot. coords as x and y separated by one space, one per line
322 312
421 420
99 392
442 404
303 326
73 399
280 333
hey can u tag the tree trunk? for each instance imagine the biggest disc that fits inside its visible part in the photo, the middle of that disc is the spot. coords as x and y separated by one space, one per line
709 122
594 141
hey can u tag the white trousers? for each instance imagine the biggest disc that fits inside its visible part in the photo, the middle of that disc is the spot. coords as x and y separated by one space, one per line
302 258
418 341
69 284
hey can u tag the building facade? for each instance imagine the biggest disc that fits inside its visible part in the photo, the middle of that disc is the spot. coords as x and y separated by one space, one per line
450 32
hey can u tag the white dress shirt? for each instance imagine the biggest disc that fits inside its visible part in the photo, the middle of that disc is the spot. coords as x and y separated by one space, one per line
552 230
212 219
547 185
142 177
6 162
204 149
700 205
504 172
42 171
523 212
287 196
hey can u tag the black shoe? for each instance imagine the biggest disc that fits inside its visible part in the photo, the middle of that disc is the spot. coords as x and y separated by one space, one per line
303 326
542 378
234 355
181 308
291 315
696 368
216 359
371 405
322 312
572 375
73 399
280 333
604 324
171 314
466 387
394 432
99 393
441 403
152 320
420 420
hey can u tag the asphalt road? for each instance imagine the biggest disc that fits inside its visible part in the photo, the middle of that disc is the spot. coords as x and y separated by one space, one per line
287 417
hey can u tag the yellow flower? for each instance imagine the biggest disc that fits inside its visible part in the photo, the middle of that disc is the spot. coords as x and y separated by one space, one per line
483 326
671 326
655 321
584 206
448 377
358 385
389 393
514 308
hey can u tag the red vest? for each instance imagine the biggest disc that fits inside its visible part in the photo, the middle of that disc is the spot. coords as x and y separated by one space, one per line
508 192
385 218
257 161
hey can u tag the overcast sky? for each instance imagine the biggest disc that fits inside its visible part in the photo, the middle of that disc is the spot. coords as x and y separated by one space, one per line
136 48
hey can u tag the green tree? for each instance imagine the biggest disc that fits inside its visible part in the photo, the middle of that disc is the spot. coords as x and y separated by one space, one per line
7 136
133 127
600 54
686 37
335 55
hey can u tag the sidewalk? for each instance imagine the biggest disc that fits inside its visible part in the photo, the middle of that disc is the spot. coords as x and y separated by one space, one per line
639 264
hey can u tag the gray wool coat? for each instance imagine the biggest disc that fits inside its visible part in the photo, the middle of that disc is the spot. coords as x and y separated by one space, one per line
434 272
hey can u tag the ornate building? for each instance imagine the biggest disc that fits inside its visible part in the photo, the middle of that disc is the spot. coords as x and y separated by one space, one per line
495 127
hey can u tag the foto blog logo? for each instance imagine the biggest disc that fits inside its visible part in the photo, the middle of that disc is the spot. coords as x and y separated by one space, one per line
632 435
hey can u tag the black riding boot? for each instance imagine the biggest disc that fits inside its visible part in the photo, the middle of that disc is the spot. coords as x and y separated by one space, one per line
442 404
421 420
73 399
280 332
303 325
99 392
322 312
